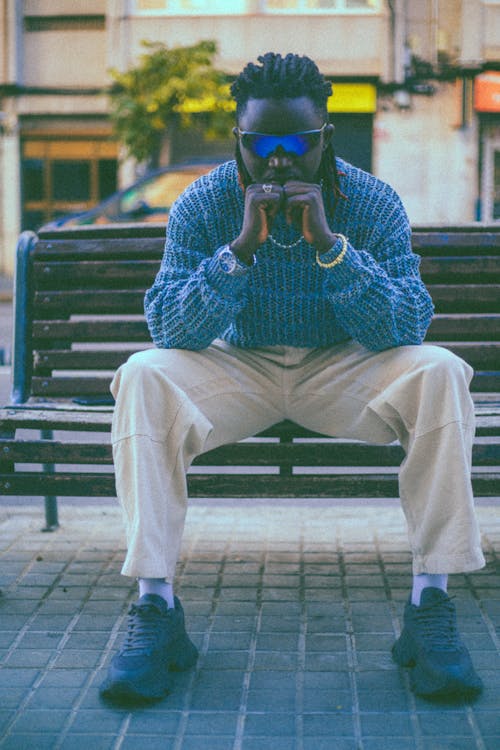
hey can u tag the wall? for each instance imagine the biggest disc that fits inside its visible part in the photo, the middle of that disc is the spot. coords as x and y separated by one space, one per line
243 38
430 161
85 66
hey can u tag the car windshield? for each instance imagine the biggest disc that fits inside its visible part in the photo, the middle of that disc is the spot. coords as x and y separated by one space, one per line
158 192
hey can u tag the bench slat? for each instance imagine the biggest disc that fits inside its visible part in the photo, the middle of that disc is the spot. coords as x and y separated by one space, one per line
79 247
98 275
464 328
443 328
67 386
483 269
62 304
231 485
479 240
47 417
102 274
447 298
68 416
261 453
90 359
98 330
480 356
465 297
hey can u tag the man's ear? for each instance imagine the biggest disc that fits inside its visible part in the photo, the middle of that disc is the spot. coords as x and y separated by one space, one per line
235 131
328 135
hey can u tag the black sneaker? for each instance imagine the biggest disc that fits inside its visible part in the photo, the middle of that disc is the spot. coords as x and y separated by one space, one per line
431 645
156 642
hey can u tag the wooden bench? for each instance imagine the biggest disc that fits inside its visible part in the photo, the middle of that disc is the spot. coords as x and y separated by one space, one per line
78 316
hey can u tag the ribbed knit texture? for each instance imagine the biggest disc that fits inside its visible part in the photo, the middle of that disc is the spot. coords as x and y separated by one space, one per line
374 296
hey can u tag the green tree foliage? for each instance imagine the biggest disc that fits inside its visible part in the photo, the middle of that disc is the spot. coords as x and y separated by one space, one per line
168 86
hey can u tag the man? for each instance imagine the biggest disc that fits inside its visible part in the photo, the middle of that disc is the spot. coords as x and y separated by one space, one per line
289 289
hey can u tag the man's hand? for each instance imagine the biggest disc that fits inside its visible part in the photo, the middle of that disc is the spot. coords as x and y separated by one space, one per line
302 203
305 209
262 203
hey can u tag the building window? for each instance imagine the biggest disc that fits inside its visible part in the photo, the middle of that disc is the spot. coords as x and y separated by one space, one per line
490 177
320 6
237 7
191 7
65 176
64 23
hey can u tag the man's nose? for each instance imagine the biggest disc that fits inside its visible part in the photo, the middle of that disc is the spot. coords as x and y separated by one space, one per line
280 158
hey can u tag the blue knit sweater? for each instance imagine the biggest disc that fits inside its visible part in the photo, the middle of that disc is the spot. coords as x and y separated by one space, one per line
375 295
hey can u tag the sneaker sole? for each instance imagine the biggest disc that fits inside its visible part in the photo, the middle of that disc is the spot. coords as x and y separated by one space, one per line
123 691
434 685
181 656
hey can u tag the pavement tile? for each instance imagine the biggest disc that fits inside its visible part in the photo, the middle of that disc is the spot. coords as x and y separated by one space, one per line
269 743
393 743
147 722
95 721
386 724
329 743
74 741
205 723
331 725
269 699
53 697
33 741
330 700
294 627
270 725
215 743
40 719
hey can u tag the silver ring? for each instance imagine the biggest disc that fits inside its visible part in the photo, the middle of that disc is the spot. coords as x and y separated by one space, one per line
267 188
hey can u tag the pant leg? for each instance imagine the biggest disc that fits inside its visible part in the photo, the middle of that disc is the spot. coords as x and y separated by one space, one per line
420 396
172 405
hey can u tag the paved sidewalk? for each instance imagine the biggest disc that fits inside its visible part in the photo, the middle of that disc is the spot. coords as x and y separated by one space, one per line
294 607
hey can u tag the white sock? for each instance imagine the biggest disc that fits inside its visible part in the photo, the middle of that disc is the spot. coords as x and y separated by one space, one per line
423 581
157 586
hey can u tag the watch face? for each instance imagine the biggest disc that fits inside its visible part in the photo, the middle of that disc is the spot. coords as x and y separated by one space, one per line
227 260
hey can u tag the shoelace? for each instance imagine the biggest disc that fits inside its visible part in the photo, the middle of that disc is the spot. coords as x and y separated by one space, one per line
438 625
143 628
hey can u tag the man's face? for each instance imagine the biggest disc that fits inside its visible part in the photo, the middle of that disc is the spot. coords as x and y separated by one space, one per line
281 117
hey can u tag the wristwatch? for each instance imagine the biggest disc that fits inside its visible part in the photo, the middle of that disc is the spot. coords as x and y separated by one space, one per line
229 262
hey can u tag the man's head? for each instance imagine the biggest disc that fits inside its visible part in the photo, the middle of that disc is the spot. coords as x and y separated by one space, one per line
280 77
278 104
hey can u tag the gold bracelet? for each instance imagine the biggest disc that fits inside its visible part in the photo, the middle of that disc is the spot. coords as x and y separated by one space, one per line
338 259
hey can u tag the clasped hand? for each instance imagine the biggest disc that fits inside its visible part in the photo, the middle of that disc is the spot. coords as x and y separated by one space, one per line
302 204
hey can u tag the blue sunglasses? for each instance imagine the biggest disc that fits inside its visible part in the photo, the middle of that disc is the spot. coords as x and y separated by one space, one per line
263 144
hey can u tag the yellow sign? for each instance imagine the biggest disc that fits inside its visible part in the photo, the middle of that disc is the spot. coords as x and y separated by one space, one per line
346 97
151 5
353 97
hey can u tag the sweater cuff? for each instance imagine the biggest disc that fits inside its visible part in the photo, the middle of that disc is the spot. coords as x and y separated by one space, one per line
350 275
230 287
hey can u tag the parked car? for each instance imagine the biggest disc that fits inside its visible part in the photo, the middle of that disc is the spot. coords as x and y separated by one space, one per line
147 200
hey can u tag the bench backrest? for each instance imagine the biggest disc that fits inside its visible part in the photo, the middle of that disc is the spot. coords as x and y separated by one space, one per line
79 303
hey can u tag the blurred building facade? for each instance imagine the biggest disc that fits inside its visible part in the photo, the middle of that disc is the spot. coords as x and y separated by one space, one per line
416 94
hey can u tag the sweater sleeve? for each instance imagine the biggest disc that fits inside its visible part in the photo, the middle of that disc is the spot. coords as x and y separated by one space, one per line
377 290
192 301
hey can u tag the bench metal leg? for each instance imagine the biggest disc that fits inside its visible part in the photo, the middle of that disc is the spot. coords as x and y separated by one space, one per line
51 515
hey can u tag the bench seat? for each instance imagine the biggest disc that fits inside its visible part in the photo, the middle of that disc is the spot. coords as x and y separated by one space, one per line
78 316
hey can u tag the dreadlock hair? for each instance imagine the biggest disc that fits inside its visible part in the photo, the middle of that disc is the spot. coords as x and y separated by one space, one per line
287 77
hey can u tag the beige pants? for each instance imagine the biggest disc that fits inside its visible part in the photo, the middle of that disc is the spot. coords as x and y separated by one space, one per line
172 404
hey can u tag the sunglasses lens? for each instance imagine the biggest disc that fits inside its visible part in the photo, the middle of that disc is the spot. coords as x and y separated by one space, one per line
263 146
